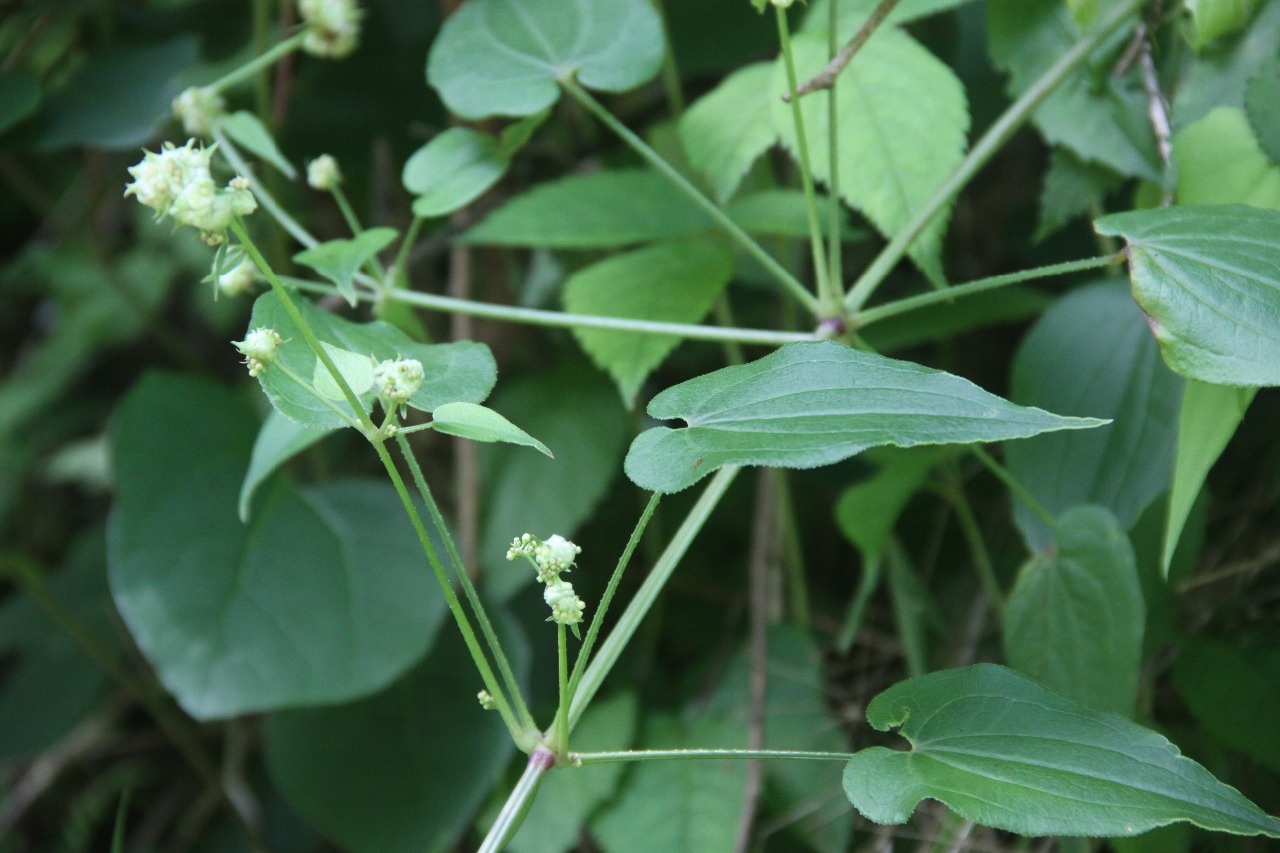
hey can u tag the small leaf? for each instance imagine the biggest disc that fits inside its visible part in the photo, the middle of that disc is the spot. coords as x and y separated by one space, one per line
339 260
468 420
672 282
279 440
1262 103
583 212
1072 189
1076 614
1212 19
727 129
1002 751
248 130
1209 280
811 404
453 170
507 57
356 371
867 511
516 134
1220 162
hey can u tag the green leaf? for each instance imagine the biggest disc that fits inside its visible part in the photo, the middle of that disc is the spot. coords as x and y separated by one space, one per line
672 282
1072 189
1220 76
1209 280
507 57
583 212
946 320
321 599
453 170
402 771
1076 614
463 371
1234 693
811 404
903 118
1262 103
1212 19
1092 354
279 440
19 96
1000 750
469 420
1101 120
565 800
852 15
339 260
356 370
727 129
783 213
868 510
249 132
1209 417
1220 162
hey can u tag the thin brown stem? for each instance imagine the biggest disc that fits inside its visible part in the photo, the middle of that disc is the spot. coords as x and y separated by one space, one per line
825 78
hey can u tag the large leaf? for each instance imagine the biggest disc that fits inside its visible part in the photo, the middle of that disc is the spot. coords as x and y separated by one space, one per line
1221 162
279 440
902 124
402 771
728 128
324 597
593 211
1209 280
1001 750
811 404
19 96
1091 354
453 170
672 282
506 57
1234 693
1076 614
462 371
1262 103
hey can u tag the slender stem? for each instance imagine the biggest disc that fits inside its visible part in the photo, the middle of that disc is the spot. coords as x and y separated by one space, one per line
826 78
1020 491
584 758
348 212
261 37
913 303
825 294
518 802
978 552
986 147
749 245
561 739
399 273
464 580
258 63
835 259
260 192
644 598
670 71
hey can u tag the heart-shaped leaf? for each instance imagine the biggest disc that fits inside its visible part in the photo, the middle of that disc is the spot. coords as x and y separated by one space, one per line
1209 279
453 170
468 420
279 440
507 57
1002 751
811 404
339 260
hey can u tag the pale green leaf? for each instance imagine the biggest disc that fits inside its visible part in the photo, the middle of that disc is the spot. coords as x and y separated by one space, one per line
1209 417
356 370
1235 693
506 57
1262 103
727 129
811 404
1220 76
453 170
1212 19
1092 354
248 131
592 211
1209 280
672 282
903 120
1002 751
1076 614
278 441
478 423
1220 162
853 13
339 260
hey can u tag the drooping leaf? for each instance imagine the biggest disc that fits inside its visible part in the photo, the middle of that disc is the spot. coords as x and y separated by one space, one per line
462 371
1220 162
811 404
339 260
1209 417
478 423
1234 693
584 212
1262 103
368 773
506 57
1072 189
1092 354
1212 19
902 118
1209 280
278 441
1000 750
728 128
1075 616
671 282
321 599
248 131
453 170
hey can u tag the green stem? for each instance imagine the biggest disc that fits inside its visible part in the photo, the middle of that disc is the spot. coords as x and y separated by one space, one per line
310 389
399 274
1002 474
261 36
986 147
353 222
924 300
830 302
518 802
584 758
835 275
644 598
258 63
561 740
265 198
978 551
750 246
670 71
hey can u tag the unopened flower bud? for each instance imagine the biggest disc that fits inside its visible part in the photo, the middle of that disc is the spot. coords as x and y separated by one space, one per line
522 546
396 381
239 279
323 173
553 556
259 348
197 108
566 607
177 182
486 700
333 27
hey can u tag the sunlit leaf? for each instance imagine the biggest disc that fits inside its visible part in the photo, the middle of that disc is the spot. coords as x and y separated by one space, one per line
1220 162
728 128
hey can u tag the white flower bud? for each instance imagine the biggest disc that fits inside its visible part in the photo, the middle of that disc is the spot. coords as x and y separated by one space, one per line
177 182
486 700
566 607
333 27
553 556
396 381
522 546
197 108
323 173
240 279
259 348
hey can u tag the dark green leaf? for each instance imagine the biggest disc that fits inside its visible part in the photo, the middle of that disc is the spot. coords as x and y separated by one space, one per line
1262 103
473 421
1234 693
1072 189
279 440
1002 751
339 260
811 404
19 97
248 130
453 170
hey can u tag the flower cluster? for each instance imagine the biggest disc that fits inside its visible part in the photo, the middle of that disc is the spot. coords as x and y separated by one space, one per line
333 27
259 348
550 557
396 380
197 108
177 182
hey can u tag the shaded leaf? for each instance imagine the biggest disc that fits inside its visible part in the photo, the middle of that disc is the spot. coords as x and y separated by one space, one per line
339 260
1262 103
469 420
19 96
249 132
1212 19
727 129
783 213
278 441
1234 693
1072 189
452 170
1219 76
